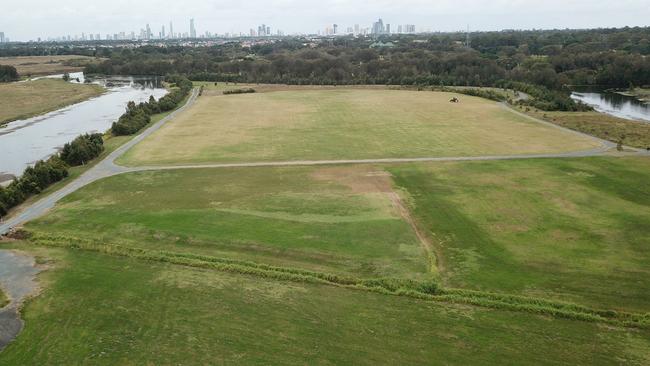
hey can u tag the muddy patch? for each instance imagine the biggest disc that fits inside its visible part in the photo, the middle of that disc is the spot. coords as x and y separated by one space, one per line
18 280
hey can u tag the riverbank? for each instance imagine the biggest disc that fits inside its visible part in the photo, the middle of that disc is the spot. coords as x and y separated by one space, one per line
601 125
32 98
111 143
642 94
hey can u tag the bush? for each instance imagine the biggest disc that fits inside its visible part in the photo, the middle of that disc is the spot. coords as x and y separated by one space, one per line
82 149
8 73
239 91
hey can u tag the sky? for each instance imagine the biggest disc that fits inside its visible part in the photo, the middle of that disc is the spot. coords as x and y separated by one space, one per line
30 19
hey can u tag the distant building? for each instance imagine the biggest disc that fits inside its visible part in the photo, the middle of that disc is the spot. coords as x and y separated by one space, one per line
388 28
378 27
2 37
336 28
192 29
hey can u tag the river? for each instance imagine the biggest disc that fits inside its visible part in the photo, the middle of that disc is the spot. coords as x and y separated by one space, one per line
24 142
614 104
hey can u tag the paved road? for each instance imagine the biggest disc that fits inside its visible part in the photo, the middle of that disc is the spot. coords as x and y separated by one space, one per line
107 167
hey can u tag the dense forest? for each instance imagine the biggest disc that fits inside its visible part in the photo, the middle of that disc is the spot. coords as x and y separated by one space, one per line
610 57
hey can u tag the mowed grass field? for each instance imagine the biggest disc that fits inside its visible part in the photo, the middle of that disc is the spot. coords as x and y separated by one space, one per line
46 65
31 98
570 229
103 310
315 124
331 219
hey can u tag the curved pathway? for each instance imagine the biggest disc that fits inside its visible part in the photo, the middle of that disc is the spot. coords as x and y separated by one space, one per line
107 166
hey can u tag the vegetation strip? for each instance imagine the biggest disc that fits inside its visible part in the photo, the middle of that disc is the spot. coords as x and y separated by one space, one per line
390 286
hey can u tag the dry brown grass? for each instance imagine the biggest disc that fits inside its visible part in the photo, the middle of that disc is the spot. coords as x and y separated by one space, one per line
313 123
28 99
637 134
46 65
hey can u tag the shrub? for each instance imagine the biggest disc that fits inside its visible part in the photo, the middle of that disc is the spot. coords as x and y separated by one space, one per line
82 149
239 91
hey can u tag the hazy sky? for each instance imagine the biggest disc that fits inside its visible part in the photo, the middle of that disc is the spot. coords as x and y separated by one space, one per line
29 19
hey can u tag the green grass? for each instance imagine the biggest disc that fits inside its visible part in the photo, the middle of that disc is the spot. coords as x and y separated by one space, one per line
99 309
345 124
570 229
111 143
32 98
327 219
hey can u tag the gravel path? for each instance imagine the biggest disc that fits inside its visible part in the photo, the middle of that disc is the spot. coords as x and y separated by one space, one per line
107 167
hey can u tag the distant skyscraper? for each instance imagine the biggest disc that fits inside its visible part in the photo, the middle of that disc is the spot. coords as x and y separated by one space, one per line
399 29
388 28
356 29
2 37
192 29
149 34
268 31
336 28
378 27
163 32
171 30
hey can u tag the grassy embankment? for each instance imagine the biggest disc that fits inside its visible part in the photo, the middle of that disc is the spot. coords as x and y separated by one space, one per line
637 134
32 98
573 230
47 65
315 124
550 230
99 309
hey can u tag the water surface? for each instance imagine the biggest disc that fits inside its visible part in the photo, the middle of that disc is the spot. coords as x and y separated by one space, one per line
614 104
24 142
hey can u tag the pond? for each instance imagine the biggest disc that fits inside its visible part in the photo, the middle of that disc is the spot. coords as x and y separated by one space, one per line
614 104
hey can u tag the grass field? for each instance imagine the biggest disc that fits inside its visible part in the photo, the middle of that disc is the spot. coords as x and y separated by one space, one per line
46 65
345 124
340 220
637 134
104 310
28 99
576 229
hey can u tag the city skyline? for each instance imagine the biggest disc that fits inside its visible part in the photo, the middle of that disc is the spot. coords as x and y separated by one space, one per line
28 21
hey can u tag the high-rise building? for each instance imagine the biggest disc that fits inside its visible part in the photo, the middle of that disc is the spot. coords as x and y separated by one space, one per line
399 29
2 37
356 29
192 29
268 31
336 28
378 27
388 28
163 32
171 30
149 34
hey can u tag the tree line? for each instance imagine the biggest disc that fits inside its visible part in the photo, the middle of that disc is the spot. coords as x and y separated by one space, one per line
137 116
545 60
47 172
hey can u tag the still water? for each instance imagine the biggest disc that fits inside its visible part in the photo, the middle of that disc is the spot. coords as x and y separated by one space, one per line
614 104
26 141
